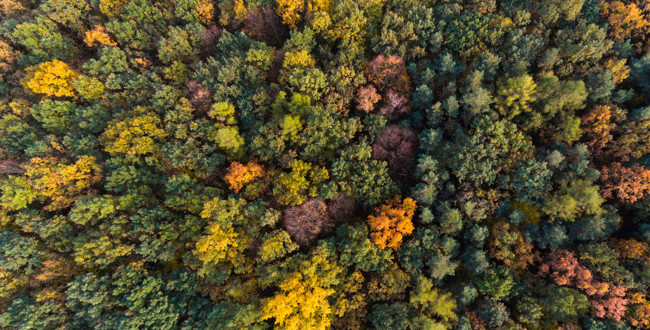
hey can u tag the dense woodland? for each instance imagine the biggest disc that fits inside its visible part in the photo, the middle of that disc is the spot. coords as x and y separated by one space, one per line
312 164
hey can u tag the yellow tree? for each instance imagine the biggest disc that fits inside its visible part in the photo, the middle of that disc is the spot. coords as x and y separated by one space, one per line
99 37
391 222
53 78
134 136
619 70
239 175
46 179
303 299
290 11
624 19
301 304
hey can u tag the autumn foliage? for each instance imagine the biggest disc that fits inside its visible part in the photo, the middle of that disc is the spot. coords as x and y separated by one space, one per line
624 19
397 145
52 78
597 127
626 184
239 175
99 37
307 220
367 97
391 222
607 300
389 72
60 183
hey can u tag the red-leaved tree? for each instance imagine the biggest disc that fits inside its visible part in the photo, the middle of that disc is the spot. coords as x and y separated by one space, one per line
627 184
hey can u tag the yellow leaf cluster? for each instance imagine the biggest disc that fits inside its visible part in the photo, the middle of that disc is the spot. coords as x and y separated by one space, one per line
392 222
62 183
219 244
298 59
112 8
99 36
619 70
290 11
53 78
134 136
624 19
239 175
9 7
205 9
302 304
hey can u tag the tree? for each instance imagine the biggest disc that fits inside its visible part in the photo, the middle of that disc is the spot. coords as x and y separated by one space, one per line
290 11
98 37
306 221
53 78
389 73
397 145
179 44
640 315
302 300
358 251
514 96
264 25
497 283
295 187
493 312
391 222
563 304
367 97
240 175
625 20
627 184
488 149
597 129
134 137
48 179
276 245
56 116
42 38
394 105
431 302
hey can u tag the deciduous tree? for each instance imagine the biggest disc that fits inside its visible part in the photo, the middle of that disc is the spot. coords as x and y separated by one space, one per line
391 222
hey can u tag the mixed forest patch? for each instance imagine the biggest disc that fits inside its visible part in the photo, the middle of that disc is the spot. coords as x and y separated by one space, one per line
313 164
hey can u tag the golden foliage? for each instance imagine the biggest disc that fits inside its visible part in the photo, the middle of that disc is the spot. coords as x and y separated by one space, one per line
239 175
619 70
624 19
62 183
302 304
219 244
8 7
7 57
392 222
134 136
205 9
290 11
112 8
299 59
99 36
53 78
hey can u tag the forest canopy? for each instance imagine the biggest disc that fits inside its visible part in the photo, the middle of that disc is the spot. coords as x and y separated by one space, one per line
324 164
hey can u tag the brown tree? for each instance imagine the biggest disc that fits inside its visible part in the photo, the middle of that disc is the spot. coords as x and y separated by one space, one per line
627 184
306 221
367 97
397 145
